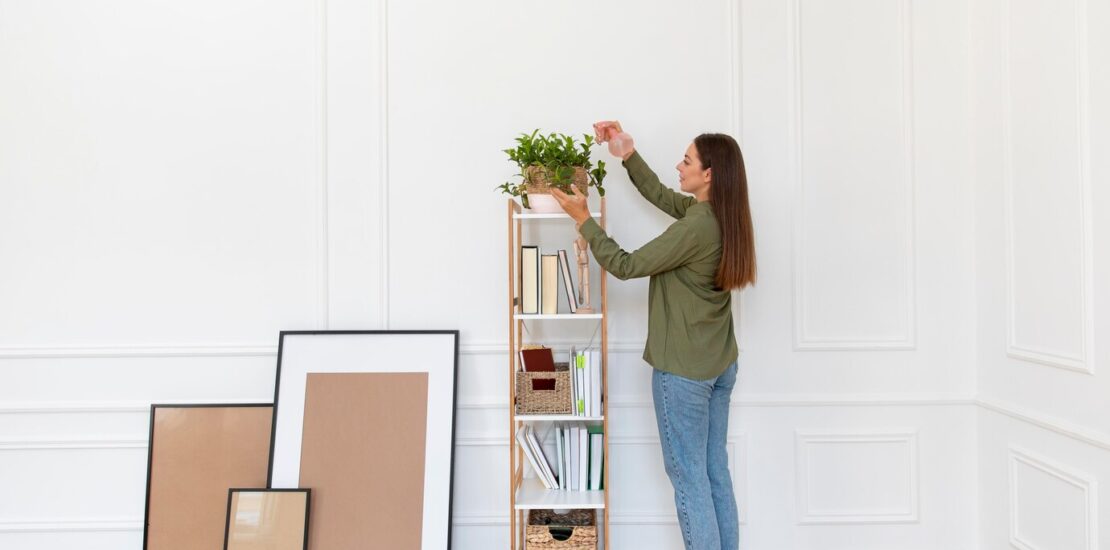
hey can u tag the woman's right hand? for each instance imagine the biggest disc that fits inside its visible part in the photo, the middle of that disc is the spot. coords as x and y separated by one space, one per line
606 130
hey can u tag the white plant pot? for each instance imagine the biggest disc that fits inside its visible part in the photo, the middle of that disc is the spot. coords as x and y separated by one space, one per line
544 204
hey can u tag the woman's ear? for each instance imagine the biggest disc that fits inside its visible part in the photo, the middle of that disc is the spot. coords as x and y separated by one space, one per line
708 175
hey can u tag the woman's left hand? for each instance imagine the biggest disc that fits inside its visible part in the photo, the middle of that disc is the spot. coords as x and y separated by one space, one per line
574 205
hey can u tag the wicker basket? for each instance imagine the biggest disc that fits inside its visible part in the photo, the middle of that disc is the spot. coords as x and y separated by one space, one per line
575 530
537 183
533 401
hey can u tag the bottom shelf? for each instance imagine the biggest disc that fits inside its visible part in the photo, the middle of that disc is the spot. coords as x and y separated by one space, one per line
532 495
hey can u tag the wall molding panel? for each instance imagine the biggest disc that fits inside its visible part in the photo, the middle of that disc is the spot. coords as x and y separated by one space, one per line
1086 484
803 339
808 516
1074 360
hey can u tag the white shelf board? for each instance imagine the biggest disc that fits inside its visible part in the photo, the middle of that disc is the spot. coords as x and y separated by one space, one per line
532 495
553 216
556 418
528 316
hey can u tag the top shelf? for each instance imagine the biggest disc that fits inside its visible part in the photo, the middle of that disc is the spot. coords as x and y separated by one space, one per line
563 216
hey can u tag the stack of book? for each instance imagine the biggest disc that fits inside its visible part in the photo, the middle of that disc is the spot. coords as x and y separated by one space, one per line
579 456
539 281
586 382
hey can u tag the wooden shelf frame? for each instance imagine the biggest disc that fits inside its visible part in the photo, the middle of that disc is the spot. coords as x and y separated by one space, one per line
530 491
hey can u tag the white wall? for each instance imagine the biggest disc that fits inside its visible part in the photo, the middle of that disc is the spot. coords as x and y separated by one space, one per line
1039 93
180 181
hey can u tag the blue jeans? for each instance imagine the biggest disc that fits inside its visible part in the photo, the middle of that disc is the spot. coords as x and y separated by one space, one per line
693 426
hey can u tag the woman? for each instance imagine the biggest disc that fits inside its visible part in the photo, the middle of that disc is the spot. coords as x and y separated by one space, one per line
693 266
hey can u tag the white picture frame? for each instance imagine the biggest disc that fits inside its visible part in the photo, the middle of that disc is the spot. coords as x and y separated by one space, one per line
301 353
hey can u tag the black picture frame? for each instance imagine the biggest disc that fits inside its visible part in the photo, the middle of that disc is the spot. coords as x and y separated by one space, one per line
150 449
307 508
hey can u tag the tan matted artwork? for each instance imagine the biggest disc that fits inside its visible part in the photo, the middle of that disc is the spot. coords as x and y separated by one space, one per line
197 453
362 453
267 519
355 440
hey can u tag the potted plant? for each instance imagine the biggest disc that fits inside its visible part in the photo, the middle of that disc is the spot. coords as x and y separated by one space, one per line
555 160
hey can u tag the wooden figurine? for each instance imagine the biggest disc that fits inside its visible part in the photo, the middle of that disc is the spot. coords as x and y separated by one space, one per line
581 251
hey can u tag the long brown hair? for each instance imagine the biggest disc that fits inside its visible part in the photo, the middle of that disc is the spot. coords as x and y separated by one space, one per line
728 196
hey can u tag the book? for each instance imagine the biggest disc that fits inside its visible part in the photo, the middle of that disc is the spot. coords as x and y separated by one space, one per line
595 382
542 458
568 285
575 442
561 455
583 455
579 373
574 391
597 448
586 405
537 360
549 284
567 456
522 439
529 279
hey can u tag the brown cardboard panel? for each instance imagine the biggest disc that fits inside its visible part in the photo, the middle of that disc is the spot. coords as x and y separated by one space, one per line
197 454
266 520
362 454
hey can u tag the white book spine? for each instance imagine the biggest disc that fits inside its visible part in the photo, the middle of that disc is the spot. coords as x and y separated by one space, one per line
568 483
573 381
580 407
560 455
588 366
595 381
574 456
583 455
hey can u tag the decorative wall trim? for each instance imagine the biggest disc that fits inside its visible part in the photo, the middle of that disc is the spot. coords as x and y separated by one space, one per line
323 261
809 400
100 407
802 340
499 520
1040 420
806 516
755 400
1023 414
138 350
98 443
1054 358
86 525
238 350
383 156
1084 482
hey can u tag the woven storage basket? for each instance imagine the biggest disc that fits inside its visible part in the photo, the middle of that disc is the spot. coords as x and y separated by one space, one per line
537 182
533 401
575 530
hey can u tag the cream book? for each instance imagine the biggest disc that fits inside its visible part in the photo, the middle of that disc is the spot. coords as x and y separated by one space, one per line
549 281
529 279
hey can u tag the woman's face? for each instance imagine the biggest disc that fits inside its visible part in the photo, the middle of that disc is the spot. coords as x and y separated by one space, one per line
692 178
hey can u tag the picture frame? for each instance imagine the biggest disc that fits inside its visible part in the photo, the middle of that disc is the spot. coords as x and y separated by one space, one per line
195 452
367 419
273 519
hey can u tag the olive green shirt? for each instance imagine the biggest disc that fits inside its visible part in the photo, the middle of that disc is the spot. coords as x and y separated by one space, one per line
690 330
